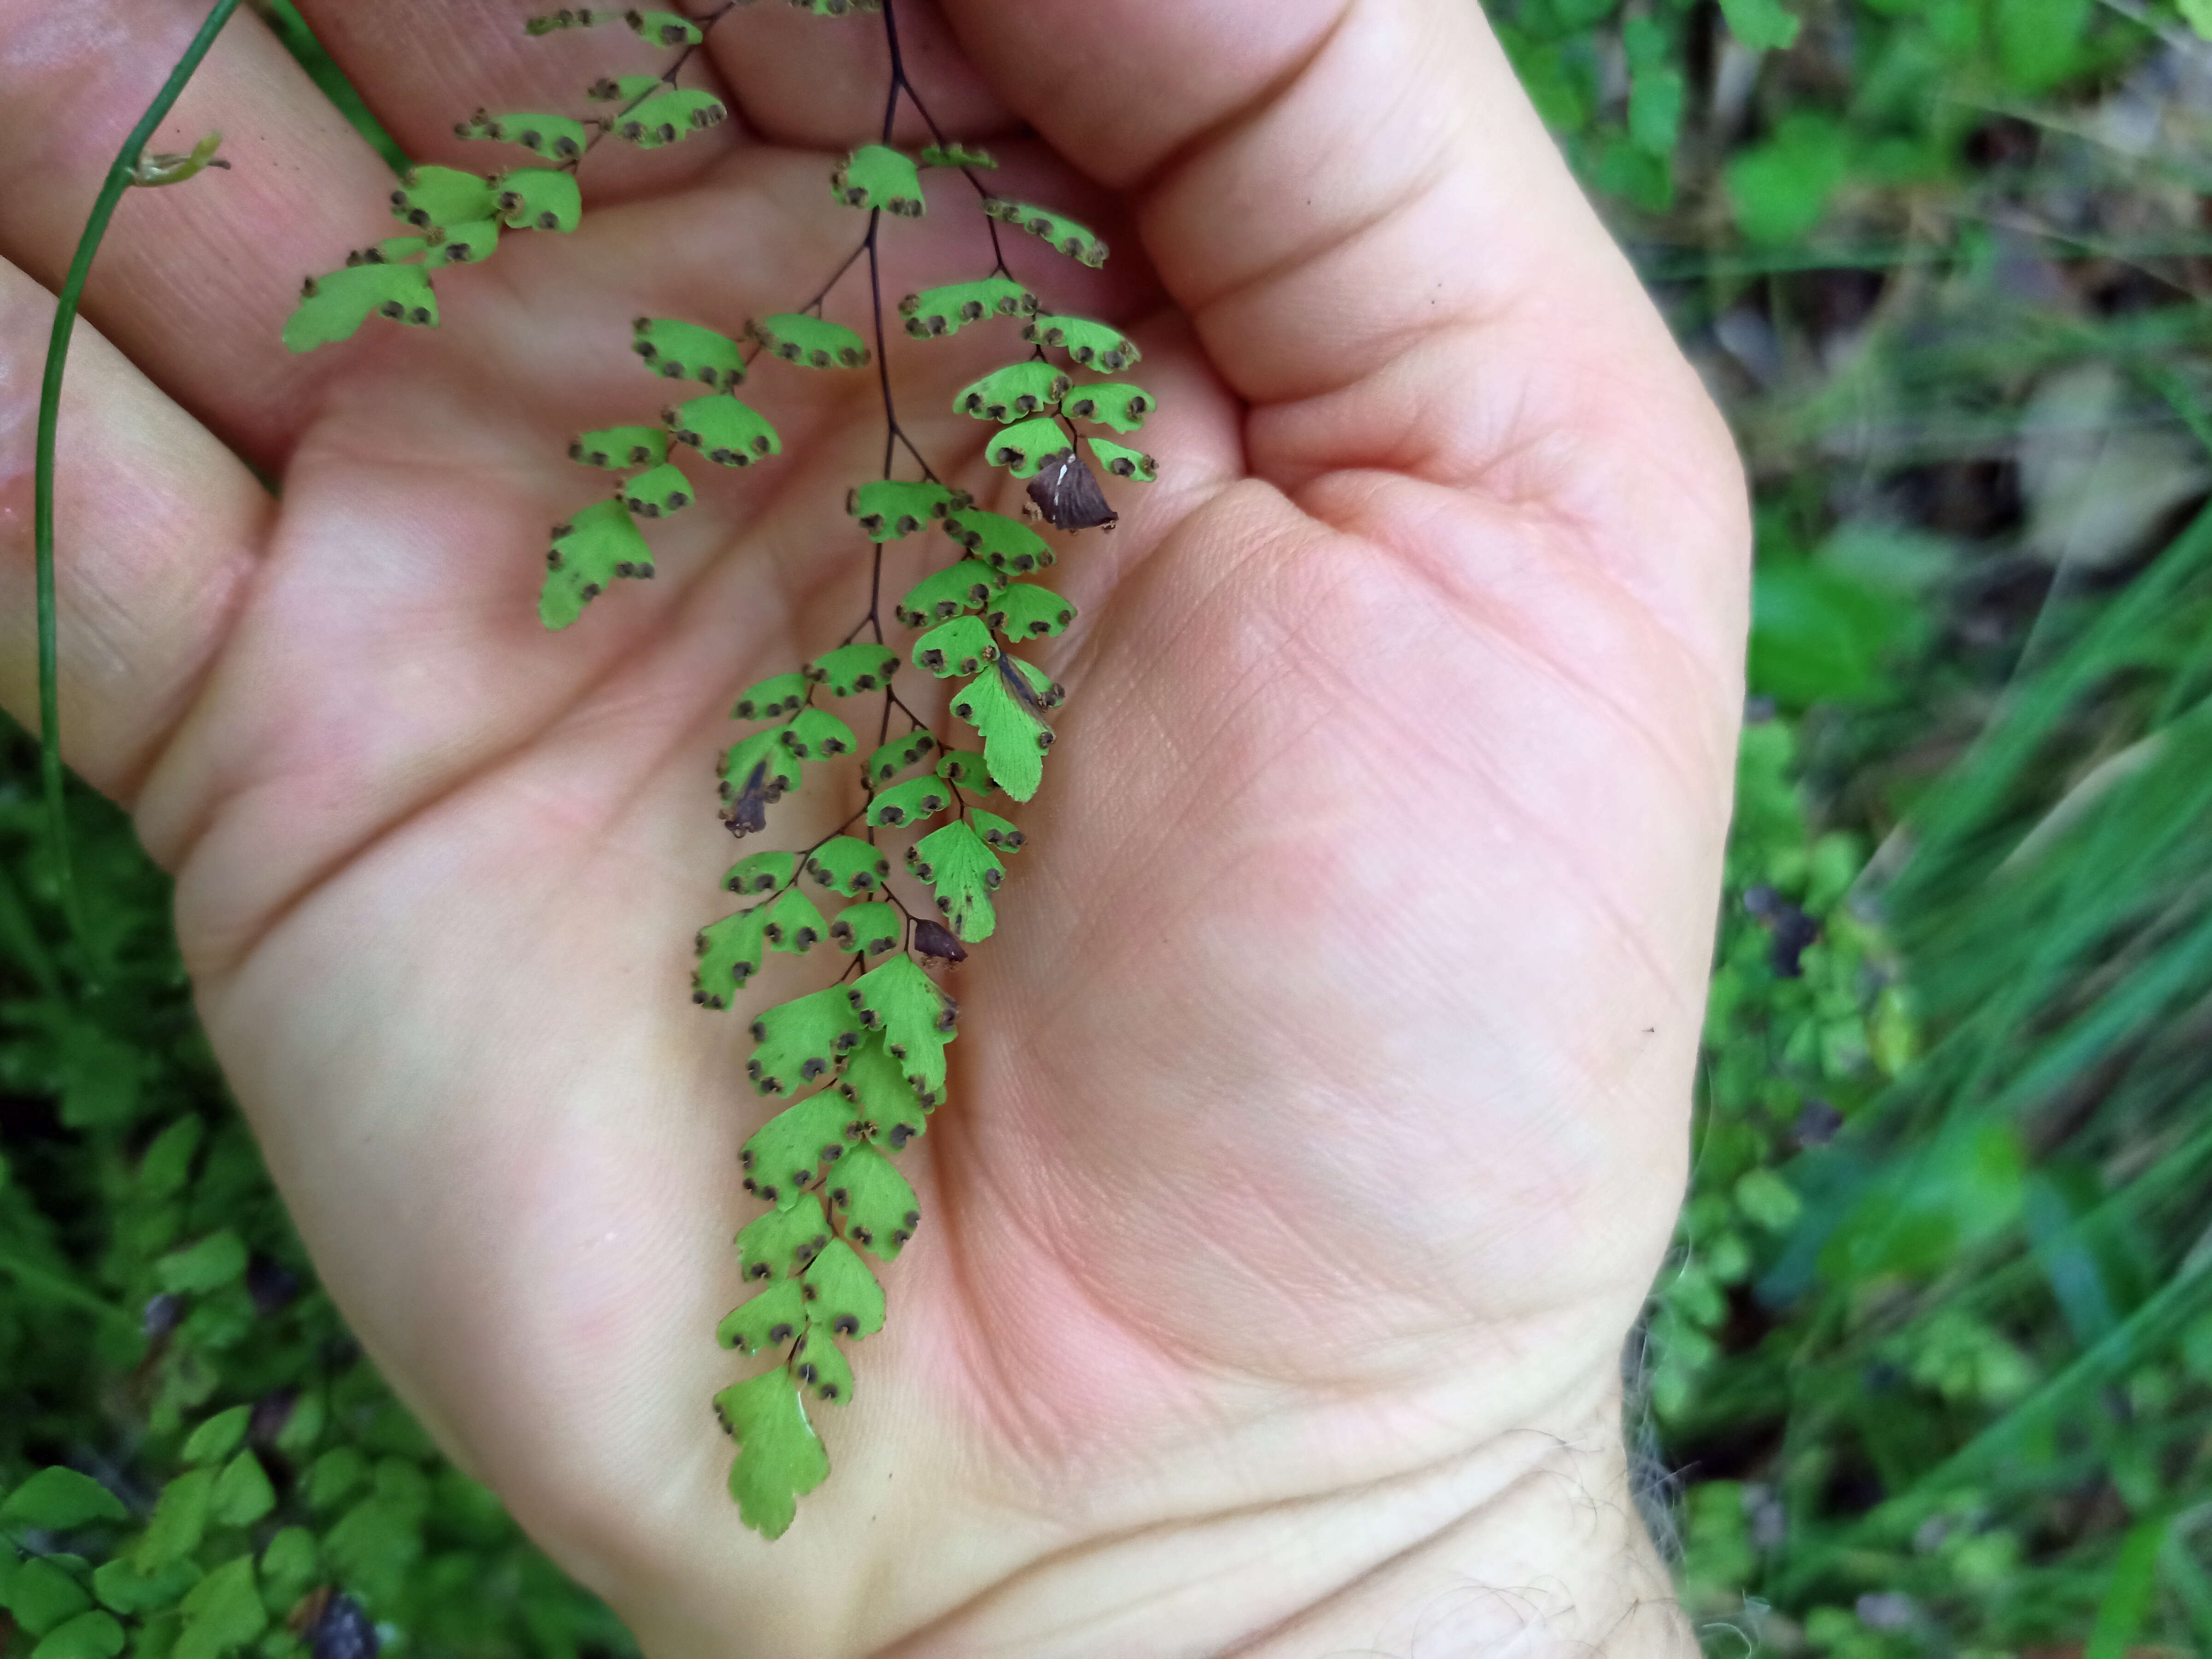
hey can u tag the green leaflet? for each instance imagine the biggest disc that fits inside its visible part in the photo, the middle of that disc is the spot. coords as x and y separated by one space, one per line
122 1588
331 307
622 89
868 930
1122 461
242 1493
878 176
334 1474
760 763
730 952
221 1610
1003 709
462 245
442 197
876 1085
864 665
1078 242
392 249
539 198
848 865
890 509
180 1521
726 432
773 698
865 1187
57 1499
669 117
817 733
809 342
1017 389
781 1242
664 28
1023 447
560 137
967 768
802 1040
842 1293
816 1363
956 154
959 646
947 592
783 1155
780 1458
599 544
660 491
616 447
1024 611
218 1259
964 872
218 1436
44 1597
1004 543
908 803
790 923
1093 345
684 352
773 1318
838 8
936 310
997 835
915 1018
895 757
287 1566
1110 403
762 872
93 1635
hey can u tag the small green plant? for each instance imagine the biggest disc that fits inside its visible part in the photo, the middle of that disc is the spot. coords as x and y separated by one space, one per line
861 1060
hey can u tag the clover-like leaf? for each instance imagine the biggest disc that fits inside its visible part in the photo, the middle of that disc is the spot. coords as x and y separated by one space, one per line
1002 707
895 757
1024 611
1079 242
442 197
842 1294
658 493
1004 543
616 447
959 646
1093 345
997 834
57 1499
664 28
1122 461
668 118
781 1243
730 953
781 1156
878 176
908 803
1014 391
462 245
864 665
560 137
936 310
820 1366
599 544
780 1457
915 1017
790 923
773 1318
964 873
947 592
1110 403
333 306
816 733
956 154
891 508
880 1209
967 768
726 431
868 930
810 341
889 1111
539 198
1026 446
848 865
762 872
773 698
678 350
802 1040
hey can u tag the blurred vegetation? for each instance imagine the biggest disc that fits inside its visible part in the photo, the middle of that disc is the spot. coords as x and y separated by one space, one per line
1932 1371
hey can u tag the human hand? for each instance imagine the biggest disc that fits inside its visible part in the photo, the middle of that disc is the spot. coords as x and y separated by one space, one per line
1317 1121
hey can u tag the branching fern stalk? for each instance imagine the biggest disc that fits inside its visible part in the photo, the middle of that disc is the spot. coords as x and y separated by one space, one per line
862 1060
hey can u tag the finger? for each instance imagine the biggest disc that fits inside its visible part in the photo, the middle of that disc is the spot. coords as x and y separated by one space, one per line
194 281
1385 255
155 528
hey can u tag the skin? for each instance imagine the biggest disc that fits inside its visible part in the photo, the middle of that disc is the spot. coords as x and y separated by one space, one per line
1317 1121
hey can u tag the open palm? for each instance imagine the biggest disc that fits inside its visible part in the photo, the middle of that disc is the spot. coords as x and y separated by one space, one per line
1316 1121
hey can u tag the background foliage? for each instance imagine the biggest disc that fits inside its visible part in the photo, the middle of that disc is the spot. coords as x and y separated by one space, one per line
1931 1371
